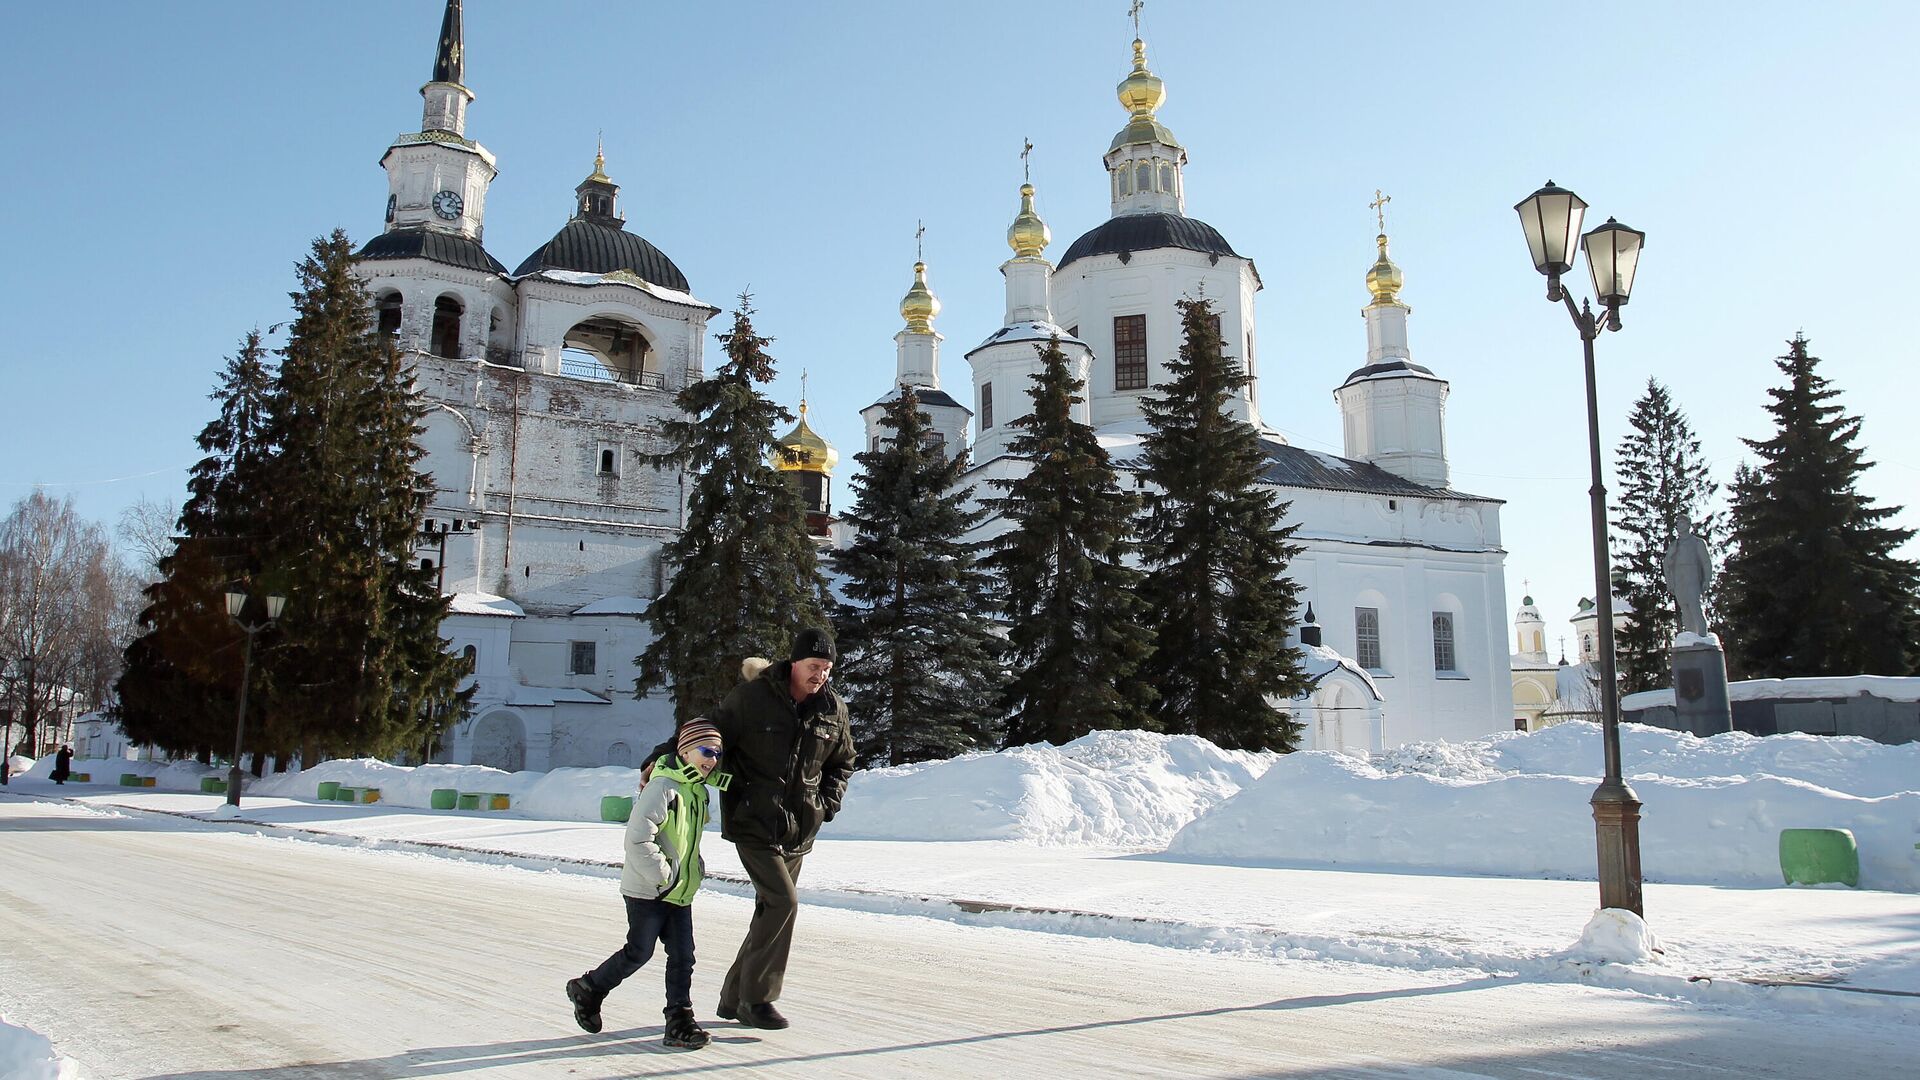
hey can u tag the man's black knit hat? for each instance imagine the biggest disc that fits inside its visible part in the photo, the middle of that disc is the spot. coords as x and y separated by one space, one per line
812 644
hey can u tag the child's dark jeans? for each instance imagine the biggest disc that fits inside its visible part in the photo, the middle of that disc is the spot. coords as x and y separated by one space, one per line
649 921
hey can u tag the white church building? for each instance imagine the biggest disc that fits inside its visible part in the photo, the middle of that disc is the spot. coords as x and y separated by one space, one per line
1405 639
545 382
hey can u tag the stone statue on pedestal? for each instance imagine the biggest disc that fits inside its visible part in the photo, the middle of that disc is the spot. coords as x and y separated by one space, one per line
1689 569
1700 700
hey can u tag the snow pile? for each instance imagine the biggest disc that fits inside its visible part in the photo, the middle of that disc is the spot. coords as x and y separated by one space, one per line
1517 804
1123 789
1615 936
168 775
1842 763
18 766
26 1054
560 795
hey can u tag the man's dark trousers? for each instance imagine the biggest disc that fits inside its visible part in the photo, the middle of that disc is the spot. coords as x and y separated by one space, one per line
649 921
761 968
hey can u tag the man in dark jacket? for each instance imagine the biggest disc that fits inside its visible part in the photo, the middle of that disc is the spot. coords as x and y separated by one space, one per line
790 751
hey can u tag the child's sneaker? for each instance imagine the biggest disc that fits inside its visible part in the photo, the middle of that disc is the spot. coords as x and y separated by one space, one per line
683 1032
586 1005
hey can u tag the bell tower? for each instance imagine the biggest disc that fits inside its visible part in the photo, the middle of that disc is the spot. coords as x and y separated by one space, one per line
437 178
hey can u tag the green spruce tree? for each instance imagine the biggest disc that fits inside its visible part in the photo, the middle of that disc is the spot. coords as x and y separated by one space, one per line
1662 478
182 671
1076 642
745 575
356 664
918 650
1814 584
1216 548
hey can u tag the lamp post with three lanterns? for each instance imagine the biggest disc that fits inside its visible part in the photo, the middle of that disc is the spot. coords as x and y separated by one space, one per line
1551 219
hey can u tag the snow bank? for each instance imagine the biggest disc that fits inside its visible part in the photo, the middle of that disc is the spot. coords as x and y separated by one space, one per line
18 766
560 795
26 1054
1126 789
1842 763
1517 804
168 775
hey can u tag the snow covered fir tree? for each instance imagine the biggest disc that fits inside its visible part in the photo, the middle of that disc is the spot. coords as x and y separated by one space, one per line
549 530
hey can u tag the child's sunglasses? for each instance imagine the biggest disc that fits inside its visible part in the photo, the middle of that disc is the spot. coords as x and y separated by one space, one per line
711 753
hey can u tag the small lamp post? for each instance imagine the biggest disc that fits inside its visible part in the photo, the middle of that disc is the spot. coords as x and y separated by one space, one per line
236 607
1551 219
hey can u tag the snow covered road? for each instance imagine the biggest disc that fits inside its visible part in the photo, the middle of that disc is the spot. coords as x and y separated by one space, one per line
157 948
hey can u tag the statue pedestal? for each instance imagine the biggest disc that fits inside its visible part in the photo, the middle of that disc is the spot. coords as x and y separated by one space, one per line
1700 702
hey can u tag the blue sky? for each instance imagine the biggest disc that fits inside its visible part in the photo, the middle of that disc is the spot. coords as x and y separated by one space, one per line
167 165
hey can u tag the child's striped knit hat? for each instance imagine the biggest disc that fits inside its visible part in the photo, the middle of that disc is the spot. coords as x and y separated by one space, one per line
697 732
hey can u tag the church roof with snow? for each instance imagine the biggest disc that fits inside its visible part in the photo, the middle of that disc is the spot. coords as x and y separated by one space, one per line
447 248
595 248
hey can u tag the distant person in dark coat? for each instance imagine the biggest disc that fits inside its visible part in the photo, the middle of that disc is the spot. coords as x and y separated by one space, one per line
62 765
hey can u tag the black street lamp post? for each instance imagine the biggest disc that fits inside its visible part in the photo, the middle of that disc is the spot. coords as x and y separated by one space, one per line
1551 219
236 606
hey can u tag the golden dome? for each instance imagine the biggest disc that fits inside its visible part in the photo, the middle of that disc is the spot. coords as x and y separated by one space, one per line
1142 91
599 167
1384 278
802 450
1028 235
919 306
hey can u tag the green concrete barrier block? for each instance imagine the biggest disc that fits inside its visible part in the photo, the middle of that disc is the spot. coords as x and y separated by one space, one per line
130 779
1818 856
213 785
616 807
445 798
346 794
469 800
81 778
329 790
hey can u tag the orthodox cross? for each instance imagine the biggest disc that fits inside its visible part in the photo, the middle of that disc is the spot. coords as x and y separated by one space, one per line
1379 207
919 242
1026 169
1135 12
803 393
1526 584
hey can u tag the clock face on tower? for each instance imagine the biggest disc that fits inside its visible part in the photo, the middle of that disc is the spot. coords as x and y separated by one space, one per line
447 204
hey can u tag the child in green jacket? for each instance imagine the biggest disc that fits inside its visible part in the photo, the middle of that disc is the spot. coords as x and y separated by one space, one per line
660 875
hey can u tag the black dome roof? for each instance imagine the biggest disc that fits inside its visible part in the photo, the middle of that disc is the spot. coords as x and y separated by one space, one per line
449 248
592 248
1129 233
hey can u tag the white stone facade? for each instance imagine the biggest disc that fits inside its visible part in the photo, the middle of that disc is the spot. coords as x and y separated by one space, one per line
543 388
1405 575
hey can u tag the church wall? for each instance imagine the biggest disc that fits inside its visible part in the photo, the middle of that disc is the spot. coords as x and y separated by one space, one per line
487 320
549 309
1010 368
1093 291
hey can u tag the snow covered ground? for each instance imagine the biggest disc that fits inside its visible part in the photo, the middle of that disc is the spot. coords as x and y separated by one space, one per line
1433 857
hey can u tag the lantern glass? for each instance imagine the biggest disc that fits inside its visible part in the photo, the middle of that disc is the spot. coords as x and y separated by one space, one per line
236 603
1613 255
1551 219
275 605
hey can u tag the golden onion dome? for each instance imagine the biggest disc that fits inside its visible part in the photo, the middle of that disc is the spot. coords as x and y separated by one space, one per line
919 306
1384 278
599 174
1141 92
1028 235
803 450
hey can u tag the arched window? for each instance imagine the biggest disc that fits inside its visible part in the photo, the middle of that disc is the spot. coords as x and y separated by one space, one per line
1124 177
447 312
610 349
1143 177
388 309
1166 178
472 656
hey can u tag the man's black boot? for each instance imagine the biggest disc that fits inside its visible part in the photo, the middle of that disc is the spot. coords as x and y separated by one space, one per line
763 1015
